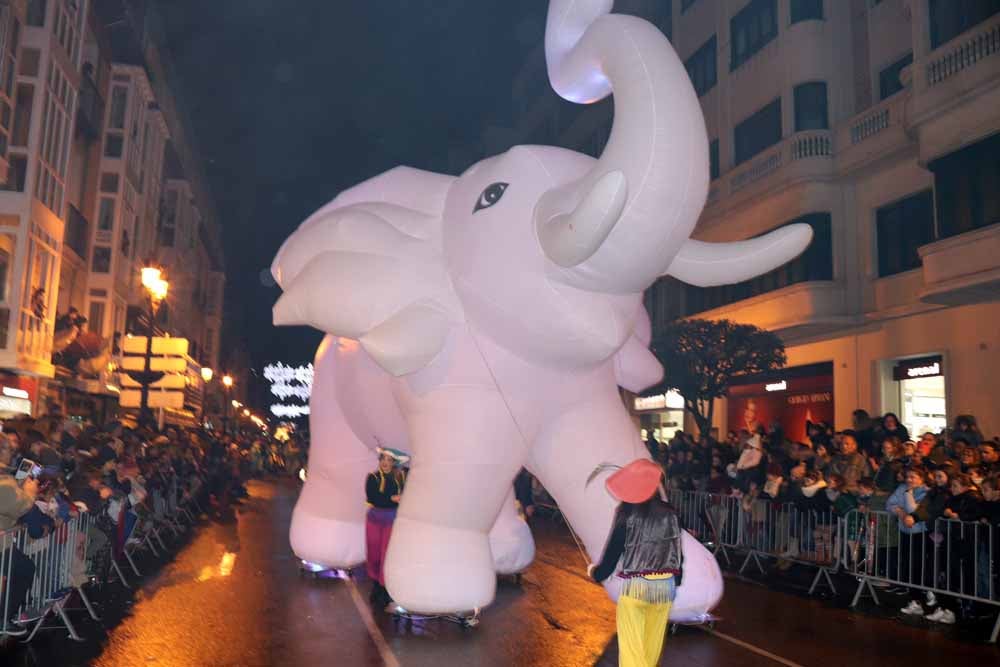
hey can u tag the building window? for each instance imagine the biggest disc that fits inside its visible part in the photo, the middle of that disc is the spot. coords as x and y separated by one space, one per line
967 188
810 107
95 320
23 106
119 98
674 299
889 82
662 16
713 159
36 13
29 64
106 215
113 145
950 18
901 229
102 259
701 67
807 10
758 132
751 30
109 182
168 219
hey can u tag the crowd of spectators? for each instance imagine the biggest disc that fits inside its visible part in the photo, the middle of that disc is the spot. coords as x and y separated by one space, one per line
53 469
874 466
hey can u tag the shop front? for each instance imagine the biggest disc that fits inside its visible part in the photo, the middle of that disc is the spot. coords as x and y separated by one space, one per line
790 397
918 394
660 415
18 395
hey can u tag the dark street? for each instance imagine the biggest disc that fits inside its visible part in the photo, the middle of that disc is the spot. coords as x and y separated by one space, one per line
233 597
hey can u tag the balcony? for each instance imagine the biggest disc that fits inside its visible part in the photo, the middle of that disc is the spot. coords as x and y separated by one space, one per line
793 312
77 233
90 113
874 134
956 91
963 268
802 156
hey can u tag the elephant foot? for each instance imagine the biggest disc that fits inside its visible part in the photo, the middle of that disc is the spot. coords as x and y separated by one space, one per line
512 545
326 540
435 569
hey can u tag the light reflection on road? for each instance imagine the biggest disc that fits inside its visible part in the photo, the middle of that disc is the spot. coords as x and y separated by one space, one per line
224 568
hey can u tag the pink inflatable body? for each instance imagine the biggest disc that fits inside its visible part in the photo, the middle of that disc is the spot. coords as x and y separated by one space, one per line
485 322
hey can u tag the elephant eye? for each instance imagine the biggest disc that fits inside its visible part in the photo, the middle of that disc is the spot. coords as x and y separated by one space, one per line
491 195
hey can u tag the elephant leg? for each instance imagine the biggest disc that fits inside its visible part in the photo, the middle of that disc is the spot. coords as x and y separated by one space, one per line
328 523
566 453
511 543
466 451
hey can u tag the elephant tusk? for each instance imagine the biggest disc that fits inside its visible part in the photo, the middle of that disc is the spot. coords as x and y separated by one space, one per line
710 264
570 239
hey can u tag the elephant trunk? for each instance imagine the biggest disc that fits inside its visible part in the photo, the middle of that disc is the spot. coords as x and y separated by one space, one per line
617 229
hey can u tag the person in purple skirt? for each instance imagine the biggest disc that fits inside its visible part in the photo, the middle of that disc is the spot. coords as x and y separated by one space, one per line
383 487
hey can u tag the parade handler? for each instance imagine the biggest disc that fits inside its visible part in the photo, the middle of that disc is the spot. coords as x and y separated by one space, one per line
383 487
646 540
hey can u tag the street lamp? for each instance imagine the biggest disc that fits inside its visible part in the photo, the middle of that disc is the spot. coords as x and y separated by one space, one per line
156 286
227 383
206 376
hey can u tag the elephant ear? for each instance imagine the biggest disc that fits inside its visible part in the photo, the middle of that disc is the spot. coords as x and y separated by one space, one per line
409 340
369 266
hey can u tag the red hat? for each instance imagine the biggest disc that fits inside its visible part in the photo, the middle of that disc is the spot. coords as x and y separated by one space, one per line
635 483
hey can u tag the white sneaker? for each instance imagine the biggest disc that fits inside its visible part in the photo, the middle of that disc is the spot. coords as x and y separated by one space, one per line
945 616
913 609
931 599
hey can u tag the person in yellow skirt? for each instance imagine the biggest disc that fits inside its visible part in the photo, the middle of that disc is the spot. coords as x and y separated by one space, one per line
645 548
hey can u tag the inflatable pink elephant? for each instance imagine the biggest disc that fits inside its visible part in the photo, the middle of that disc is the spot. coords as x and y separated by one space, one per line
485 323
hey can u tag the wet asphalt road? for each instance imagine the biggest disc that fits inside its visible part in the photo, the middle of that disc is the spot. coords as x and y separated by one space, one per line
233 596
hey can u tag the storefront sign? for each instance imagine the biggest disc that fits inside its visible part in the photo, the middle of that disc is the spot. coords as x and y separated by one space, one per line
16 393
15 405
917 368
670 400
797 395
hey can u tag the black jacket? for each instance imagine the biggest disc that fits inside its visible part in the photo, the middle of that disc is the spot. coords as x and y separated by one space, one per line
646 538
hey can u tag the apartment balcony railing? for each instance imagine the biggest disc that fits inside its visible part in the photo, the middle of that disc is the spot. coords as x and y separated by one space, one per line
962 268
963 53
795 311
956 91
874 133
77 232
800 155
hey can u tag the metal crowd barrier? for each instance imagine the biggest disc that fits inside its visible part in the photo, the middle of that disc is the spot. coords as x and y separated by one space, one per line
763 529
54 569
58 560
952 558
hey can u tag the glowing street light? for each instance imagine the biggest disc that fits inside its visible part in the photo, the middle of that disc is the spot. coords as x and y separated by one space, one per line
227 380
207 374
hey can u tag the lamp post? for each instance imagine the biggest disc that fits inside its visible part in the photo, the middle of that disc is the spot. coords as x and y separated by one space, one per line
156 286
206 376
227 383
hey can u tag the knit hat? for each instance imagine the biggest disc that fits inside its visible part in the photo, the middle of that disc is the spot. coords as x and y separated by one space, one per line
634 483
399 456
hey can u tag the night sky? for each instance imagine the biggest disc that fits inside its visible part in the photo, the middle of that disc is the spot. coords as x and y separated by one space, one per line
295 100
